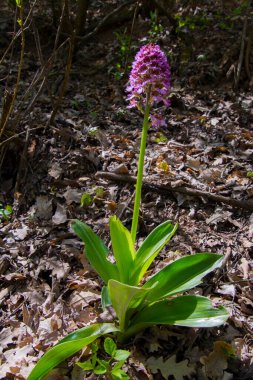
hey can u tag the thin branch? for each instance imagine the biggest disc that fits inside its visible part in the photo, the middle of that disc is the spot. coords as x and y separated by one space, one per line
239 66
168 189
19 32
131 36
40 75
5 121
248 50
20 134
105 21
66 75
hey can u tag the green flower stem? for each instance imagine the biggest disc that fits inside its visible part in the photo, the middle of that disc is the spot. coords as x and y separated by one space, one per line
137 200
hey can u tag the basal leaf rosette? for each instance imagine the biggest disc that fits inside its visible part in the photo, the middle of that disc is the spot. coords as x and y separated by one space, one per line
150 73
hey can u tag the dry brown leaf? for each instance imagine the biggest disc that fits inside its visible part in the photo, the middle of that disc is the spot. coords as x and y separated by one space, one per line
59 268
18 361
121 169
32 148
250 235
170 367
13 277
21 233
216 362
55 171
154 346
228 289
6 338
243 350
73 196
112 206
245 268
60 215
43 207
81 299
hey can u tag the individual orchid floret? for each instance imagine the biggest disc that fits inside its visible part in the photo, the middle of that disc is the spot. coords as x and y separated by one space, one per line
150 74
157 120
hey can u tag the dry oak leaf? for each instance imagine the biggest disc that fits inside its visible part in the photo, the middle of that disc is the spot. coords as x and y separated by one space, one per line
55 170
170 367
60 215
216 362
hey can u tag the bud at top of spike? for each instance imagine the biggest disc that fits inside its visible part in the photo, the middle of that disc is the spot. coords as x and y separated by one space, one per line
150 72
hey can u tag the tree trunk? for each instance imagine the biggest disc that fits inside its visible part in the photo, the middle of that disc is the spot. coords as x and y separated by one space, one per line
82 7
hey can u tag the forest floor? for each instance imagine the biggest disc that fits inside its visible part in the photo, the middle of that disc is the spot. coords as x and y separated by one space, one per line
48 288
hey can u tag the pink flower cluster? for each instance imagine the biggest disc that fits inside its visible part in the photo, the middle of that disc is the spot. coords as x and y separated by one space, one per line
150 70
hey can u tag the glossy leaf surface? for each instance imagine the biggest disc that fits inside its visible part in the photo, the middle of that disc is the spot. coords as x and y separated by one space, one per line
190 311
123 248
150 248
126 300
96 251
105 299
69 346
181 275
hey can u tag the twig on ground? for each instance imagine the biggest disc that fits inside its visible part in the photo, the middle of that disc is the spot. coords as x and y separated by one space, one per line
16 135
168 189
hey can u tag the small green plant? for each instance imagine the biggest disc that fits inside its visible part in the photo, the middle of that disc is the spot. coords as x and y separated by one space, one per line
250 174
14 3
75 104
156 29
124 41
110 366
199 21
95 194
100 192
93 114
164 167
160 138
240 10
5 212
93 131
86 200
140 301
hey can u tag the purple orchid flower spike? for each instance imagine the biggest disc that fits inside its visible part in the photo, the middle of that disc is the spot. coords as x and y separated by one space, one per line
150 72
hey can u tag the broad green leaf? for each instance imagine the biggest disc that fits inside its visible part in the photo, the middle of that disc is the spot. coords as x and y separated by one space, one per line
104 363
119 374
119 364
94 347
96 251
100 369
125 300
69 346
87 365
190 311
121 355
105 299
150 248
110 346
94 359
123 248
86 200
181 275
